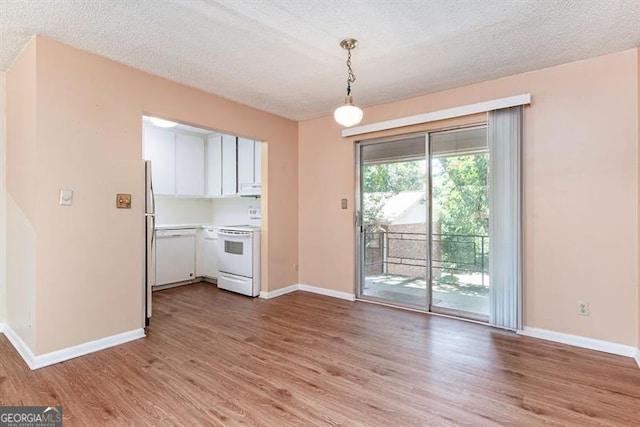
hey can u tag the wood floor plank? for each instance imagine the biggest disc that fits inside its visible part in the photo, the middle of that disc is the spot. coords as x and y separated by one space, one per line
216 358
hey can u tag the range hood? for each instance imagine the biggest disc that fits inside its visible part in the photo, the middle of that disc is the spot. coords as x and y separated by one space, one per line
250 190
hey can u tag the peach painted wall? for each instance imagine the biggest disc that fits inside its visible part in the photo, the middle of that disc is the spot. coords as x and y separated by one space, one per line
21 186
580 192
89 128
3 209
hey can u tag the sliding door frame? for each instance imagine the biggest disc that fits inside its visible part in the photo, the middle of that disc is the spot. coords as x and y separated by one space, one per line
427 307
434 308
360 250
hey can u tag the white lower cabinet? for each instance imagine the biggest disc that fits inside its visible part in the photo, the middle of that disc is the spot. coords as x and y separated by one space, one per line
186 254
175 255
208 257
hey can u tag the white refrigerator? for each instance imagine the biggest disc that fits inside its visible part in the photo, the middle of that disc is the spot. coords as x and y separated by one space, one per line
150 247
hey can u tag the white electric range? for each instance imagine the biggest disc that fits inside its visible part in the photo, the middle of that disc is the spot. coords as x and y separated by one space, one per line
239 259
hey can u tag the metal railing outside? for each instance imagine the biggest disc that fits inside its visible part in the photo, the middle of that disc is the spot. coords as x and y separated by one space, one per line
398 252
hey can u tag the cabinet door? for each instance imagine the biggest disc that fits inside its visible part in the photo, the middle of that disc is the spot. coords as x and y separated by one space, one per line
214 166
229 185
245 161
209 258
189 165
206 254
159 147
175 257
199 250
257 174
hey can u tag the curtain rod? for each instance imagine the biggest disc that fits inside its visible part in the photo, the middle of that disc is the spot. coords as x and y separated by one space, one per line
448 113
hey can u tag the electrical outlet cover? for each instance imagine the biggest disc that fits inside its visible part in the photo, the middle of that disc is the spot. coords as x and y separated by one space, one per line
66 197
583 308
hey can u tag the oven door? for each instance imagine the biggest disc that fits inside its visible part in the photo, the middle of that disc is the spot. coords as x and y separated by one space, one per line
235 252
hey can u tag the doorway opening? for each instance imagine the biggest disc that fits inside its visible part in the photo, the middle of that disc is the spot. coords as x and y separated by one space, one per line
203 209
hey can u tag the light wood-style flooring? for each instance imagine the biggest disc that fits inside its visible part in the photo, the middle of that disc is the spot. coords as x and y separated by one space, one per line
216 358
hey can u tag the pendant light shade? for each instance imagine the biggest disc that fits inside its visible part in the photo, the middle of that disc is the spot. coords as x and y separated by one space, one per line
348 115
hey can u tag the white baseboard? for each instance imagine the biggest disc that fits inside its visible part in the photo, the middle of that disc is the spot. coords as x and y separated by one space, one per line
638 356
36 362
2 326
308 288
86 348
23 349
278 292
578 341
328 292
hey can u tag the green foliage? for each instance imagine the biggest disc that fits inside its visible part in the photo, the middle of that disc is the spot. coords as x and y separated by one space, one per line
394 177
449 278
372 215
460 193
382 181
460 190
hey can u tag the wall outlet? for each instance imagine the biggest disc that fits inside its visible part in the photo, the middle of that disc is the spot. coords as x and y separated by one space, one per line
295 267
583 308
66 197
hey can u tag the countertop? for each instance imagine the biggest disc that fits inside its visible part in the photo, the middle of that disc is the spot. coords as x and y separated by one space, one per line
181 226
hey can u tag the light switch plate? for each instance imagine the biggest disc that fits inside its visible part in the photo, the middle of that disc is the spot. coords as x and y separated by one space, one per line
123 201
343 203
66 197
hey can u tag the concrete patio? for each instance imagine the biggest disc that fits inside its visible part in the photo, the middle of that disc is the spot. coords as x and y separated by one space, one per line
464 296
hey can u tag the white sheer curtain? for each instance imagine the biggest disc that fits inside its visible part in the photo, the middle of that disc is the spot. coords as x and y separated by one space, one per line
505 225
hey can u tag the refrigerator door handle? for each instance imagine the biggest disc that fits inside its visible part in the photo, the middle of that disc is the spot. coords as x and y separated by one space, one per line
150 197
153 201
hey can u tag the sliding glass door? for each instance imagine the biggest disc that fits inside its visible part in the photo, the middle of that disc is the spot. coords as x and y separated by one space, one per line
422 228
460 223
393 222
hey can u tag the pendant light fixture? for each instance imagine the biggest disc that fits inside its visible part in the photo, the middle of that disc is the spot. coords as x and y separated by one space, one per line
348 115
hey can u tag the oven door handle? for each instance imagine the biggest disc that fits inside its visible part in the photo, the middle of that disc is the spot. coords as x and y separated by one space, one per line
237 234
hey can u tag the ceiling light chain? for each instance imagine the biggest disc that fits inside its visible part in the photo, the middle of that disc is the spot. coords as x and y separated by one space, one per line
348 114
351 78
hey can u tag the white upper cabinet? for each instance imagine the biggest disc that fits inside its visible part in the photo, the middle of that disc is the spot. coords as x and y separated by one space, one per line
214 166
249 167
245 161
229 147
189 165
186 163
159 147
257 163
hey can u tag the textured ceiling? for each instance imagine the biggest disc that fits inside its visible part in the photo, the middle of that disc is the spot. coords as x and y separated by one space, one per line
283 56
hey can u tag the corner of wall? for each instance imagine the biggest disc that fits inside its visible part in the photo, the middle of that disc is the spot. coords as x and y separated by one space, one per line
3 223
18 190
638 202
299 230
